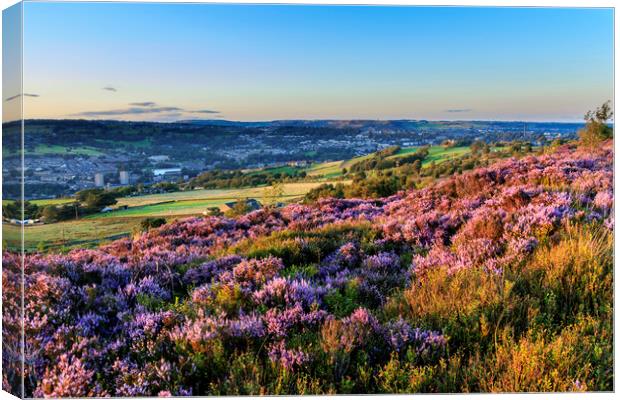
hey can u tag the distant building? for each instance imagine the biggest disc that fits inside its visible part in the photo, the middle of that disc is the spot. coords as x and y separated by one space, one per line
302 163
23 222
166 171
169 174
160 158
99 182
124 177
252 204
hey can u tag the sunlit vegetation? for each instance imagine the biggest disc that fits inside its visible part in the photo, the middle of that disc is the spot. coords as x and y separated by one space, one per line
494 279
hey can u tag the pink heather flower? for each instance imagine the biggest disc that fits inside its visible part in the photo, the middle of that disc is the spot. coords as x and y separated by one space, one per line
437 257
257 271
383 262
580 387
604 200
286 358
399 334
248 326
285 291
279 322
358 328
67 378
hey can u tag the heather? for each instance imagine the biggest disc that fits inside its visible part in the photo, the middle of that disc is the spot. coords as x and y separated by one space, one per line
498 279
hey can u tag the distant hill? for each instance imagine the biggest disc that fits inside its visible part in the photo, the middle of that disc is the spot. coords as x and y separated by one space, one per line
400 124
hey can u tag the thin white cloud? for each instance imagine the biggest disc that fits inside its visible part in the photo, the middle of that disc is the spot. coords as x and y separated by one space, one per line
459 110
144 104
19 95
145 107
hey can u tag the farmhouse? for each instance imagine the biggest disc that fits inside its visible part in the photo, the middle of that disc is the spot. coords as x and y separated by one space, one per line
301 163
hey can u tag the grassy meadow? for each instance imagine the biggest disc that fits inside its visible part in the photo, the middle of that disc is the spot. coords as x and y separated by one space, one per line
84 232
437 154
46 149
96 228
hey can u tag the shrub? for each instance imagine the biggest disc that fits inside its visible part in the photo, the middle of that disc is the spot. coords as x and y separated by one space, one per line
596 130
150 223
566 362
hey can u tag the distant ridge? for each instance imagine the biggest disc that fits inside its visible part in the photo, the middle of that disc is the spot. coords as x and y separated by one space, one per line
404 124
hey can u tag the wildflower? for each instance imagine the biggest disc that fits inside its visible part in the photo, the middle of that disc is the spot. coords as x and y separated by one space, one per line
604 200
286 358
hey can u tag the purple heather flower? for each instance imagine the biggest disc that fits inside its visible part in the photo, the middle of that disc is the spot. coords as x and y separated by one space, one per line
286 358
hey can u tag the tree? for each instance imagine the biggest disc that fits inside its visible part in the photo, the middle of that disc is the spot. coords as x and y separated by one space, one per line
323 191
13 209
95 198
214 212
50 214
99 201
378 186
417 166
476 146
272 193
149 223
241 207
597 129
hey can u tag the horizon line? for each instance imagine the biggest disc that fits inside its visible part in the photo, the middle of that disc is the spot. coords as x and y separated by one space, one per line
181 121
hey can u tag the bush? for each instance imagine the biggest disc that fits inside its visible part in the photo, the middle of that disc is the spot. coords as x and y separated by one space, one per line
597 129
150 223
566 362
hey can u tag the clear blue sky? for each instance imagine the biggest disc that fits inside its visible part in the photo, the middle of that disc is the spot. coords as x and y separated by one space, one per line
244 62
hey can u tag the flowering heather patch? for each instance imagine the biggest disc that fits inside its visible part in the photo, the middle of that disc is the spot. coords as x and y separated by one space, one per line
186 309
288 359
400 335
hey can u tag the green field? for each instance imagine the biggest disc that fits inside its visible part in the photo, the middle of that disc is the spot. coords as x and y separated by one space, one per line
194 202
333 169
285 169
44 149
46 202
144 143
101 227
52 202
96 228
407 150
83 233
289 190
330 169
439 154
348 163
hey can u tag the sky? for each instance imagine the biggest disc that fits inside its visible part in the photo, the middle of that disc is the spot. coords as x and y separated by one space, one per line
11 63
167 62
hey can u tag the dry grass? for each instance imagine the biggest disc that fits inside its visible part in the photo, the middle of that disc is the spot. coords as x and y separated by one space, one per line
439 295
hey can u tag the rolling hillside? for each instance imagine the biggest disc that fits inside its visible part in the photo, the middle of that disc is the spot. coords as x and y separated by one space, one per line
450 288
96 228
